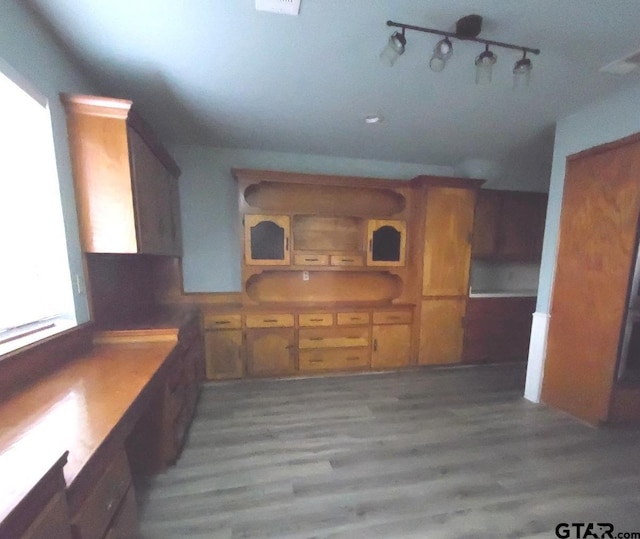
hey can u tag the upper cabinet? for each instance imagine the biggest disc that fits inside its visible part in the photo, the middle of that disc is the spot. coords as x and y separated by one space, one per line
509 225
266 240
387 243
125 181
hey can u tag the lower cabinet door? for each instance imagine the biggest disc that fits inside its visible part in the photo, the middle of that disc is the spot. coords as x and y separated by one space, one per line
224 354
391 346
441 331
270 351
125 522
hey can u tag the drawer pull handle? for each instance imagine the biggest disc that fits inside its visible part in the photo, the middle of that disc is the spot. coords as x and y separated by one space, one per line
316 361
316 319
346 259
311 259
393 317
355 318
353 358
270 320
220 322
316 338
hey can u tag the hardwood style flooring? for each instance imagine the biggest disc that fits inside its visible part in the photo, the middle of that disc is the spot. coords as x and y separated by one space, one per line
438 453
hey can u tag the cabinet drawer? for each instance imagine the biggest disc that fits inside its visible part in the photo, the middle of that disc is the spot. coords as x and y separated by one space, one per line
223 321
347 260
269 320
103 501
353 319
392 317
311 260
315 319
315 360
333 338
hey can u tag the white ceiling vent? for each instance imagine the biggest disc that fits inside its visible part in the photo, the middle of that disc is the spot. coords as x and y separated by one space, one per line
285 7
624 66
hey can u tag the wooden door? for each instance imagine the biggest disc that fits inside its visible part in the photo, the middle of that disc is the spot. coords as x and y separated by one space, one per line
270 351
447 249
522 226
391 346
598 229
266 240
386 240
441 331
485 224
224 354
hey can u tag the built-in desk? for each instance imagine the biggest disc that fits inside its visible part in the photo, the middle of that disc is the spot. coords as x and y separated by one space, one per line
90 407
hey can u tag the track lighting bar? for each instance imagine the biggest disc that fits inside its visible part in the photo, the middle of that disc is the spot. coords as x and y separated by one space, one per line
462 37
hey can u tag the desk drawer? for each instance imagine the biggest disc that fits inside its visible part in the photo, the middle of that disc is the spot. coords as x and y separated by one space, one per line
311 260
347 260
353 319
315 319
223 321
333 338
269 320
104 500
392 317
334 359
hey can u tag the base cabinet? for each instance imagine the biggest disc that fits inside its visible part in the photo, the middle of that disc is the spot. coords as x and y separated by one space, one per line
224 354
391 346
270 351
441 331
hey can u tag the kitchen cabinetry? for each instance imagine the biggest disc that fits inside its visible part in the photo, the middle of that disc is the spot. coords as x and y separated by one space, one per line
509 225
125 181
224 346
266 240
108 497
43 513
447 243
497 329
391 339
270 351
441 334
387 242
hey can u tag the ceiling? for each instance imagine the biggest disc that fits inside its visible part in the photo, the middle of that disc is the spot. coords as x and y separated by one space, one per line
217 72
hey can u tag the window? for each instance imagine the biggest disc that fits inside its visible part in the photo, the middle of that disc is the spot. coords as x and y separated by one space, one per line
35 284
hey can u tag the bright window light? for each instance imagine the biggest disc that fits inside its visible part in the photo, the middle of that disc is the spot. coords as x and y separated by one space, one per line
35 284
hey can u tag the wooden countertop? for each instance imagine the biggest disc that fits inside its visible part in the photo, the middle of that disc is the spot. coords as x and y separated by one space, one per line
77 408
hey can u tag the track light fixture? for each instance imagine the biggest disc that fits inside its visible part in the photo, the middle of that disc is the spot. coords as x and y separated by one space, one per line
441 53
394 48
467 29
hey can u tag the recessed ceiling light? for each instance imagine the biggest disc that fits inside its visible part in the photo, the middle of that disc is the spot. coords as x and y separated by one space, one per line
373 119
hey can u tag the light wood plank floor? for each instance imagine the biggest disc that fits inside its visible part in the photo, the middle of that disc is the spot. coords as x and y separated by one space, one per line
446 453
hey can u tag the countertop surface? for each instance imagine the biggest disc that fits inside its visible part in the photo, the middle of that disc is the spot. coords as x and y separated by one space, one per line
503 293
75 408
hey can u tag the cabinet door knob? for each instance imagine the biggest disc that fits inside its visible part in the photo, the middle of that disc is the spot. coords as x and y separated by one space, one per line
375 345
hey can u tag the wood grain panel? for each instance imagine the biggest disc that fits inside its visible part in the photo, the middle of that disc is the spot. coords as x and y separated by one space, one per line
447 248
391 346
486 223
314 233
441 331
224 354
270 351
323 287
597 239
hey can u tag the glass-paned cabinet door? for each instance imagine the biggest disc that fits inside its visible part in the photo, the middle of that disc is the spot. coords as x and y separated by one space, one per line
266 240
387 243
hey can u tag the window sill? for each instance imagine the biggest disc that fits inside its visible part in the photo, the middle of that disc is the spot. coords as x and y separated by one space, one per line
59 325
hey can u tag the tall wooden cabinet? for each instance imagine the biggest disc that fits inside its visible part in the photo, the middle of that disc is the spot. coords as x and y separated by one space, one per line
125 181
448 226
